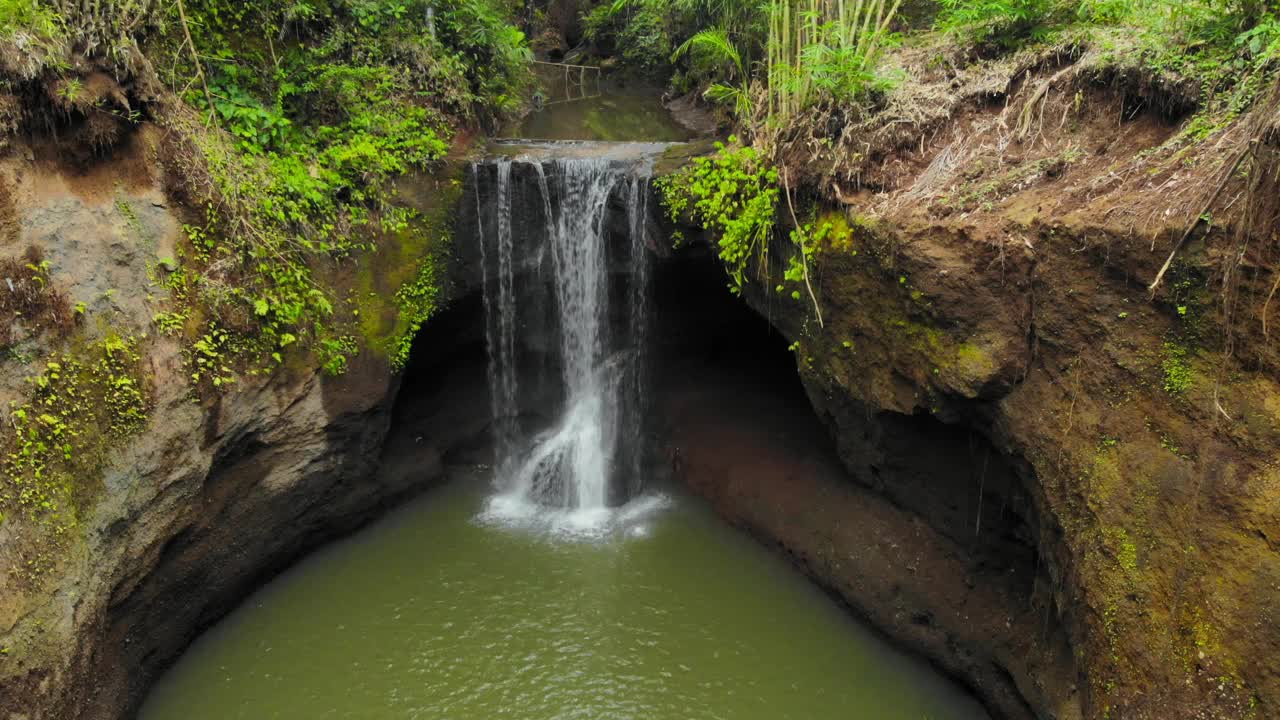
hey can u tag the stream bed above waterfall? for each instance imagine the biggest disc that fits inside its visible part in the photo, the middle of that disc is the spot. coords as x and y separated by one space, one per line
618 114
434 614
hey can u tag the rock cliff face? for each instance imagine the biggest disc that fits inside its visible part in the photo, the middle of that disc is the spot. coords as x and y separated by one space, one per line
896 539
1095 461
211 499
216 494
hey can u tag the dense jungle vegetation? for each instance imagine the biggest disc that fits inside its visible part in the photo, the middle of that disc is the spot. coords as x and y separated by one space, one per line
789 75
298 115
295 118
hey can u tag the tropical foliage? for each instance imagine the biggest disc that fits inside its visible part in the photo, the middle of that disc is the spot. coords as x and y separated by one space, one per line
773 59
734 193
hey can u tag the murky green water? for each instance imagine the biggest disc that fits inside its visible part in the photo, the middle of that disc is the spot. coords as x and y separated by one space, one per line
617 115
431 614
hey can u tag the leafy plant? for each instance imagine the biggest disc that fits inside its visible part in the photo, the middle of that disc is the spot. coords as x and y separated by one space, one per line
79 408
1001 23
29 302
29 16
1262 41
734 193
334 353
1178 376
715 44
417 302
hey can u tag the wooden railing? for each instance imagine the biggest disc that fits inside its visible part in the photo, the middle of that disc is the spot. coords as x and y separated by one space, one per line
574 88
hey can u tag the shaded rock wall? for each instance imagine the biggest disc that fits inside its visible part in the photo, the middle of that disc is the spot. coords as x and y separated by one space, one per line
212 499
879 507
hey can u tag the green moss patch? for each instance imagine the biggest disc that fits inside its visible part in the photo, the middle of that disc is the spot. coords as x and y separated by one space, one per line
1178 375
85 402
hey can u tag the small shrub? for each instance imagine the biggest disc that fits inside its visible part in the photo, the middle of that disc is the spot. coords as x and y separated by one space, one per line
733 193
334 353
29 303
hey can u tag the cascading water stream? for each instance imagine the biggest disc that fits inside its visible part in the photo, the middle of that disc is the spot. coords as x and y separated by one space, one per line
499 303
590 459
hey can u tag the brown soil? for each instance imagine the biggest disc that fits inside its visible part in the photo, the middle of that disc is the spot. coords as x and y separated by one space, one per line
29 303
98 177
8 214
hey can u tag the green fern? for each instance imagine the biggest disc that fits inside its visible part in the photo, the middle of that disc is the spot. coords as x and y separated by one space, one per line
715 44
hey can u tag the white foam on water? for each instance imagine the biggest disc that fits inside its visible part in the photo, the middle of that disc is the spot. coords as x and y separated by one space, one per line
631 520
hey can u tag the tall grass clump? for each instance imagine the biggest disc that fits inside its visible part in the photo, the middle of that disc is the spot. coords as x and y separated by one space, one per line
30 34
823 51
38 35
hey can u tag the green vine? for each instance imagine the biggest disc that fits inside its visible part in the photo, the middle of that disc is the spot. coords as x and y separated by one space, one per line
417 302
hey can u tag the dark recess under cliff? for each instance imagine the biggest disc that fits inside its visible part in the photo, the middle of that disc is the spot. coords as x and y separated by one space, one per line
738 427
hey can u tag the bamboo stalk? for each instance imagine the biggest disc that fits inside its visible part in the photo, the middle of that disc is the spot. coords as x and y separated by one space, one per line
880 30
866 25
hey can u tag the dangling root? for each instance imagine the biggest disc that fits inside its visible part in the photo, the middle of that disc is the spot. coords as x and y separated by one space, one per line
1195 220
804 262
1039 96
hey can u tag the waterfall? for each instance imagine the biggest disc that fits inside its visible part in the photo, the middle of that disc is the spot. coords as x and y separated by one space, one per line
633 413
499 307
590 458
